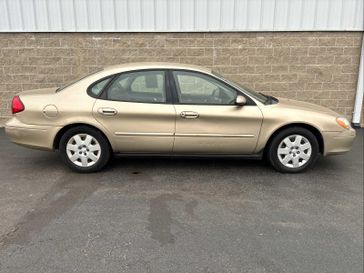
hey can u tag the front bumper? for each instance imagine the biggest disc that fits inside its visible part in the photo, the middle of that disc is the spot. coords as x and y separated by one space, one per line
32 136
338 142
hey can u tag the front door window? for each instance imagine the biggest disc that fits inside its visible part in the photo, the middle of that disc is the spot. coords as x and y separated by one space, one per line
197 88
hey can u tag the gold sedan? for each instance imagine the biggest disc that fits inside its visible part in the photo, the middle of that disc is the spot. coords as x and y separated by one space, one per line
173 109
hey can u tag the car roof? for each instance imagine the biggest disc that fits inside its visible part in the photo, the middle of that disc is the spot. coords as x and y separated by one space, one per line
154 65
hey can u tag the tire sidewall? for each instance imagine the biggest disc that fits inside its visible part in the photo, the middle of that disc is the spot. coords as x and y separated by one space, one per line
105 149
273 155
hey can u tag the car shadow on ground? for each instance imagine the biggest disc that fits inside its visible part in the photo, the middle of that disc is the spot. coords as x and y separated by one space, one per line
198 166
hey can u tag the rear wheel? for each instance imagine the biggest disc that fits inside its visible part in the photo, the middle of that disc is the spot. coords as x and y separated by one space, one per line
293 150
84 149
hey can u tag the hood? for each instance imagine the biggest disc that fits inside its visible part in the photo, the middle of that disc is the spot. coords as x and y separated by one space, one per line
295 104
42 91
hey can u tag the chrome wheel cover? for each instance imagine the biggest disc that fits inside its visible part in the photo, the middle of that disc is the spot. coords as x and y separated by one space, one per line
294 151
83 150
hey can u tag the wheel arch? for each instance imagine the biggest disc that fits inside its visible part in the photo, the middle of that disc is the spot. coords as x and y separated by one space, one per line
309 127
64 129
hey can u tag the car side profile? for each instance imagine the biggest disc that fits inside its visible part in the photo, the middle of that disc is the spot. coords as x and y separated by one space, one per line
173 109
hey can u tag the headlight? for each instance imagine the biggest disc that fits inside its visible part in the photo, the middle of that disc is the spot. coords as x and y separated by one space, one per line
343 122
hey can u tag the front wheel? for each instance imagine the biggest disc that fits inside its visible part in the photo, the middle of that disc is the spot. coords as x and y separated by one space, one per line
293 150
84 149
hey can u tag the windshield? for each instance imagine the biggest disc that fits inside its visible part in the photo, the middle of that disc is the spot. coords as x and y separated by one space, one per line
258 96
77 80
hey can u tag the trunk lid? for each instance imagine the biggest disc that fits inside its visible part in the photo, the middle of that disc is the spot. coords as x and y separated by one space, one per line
42 91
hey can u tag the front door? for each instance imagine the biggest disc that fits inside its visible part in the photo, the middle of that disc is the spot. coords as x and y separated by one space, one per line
207 119
136 110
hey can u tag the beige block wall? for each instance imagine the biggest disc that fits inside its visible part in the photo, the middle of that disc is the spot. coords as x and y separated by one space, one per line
318 67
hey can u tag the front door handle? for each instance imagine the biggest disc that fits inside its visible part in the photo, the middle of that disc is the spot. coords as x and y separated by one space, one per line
106 111
189 114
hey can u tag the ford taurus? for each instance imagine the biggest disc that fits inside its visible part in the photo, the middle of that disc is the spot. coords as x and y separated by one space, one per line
173 109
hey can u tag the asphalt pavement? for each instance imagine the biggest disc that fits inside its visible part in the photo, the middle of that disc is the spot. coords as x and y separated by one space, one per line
179 215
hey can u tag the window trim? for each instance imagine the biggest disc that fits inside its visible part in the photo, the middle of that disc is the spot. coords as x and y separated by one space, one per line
103 93
250 101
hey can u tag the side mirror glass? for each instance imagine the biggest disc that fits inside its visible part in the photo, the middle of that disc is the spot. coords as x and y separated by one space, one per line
240 100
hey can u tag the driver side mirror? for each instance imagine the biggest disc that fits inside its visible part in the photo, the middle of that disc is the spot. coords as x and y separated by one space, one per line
240 100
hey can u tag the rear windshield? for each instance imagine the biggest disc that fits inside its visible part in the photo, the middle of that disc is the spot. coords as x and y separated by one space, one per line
75 81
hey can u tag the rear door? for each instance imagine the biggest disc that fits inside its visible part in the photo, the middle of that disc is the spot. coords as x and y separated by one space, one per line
136 109
207 119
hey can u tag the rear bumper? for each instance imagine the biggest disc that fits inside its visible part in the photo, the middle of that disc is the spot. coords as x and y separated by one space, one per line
32 136
338 142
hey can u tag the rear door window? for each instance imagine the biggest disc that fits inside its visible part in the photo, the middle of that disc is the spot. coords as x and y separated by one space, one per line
141 86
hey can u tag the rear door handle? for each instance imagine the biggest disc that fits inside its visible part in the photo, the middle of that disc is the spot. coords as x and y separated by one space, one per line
106 111
189 114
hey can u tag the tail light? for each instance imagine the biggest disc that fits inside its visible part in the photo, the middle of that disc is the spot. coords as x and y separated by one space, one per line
17 105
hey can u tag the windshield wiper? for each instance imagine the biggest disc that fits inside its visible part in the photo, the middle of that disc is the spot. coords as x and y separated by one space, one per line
270 99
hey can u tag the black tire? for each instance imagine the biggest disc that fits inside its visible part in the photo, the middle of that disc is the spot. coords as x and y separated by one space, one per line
272 152
105 151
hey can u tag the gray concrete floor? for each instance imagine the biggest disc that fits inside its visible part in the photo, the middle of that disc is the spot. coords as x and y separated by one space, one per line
179 215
